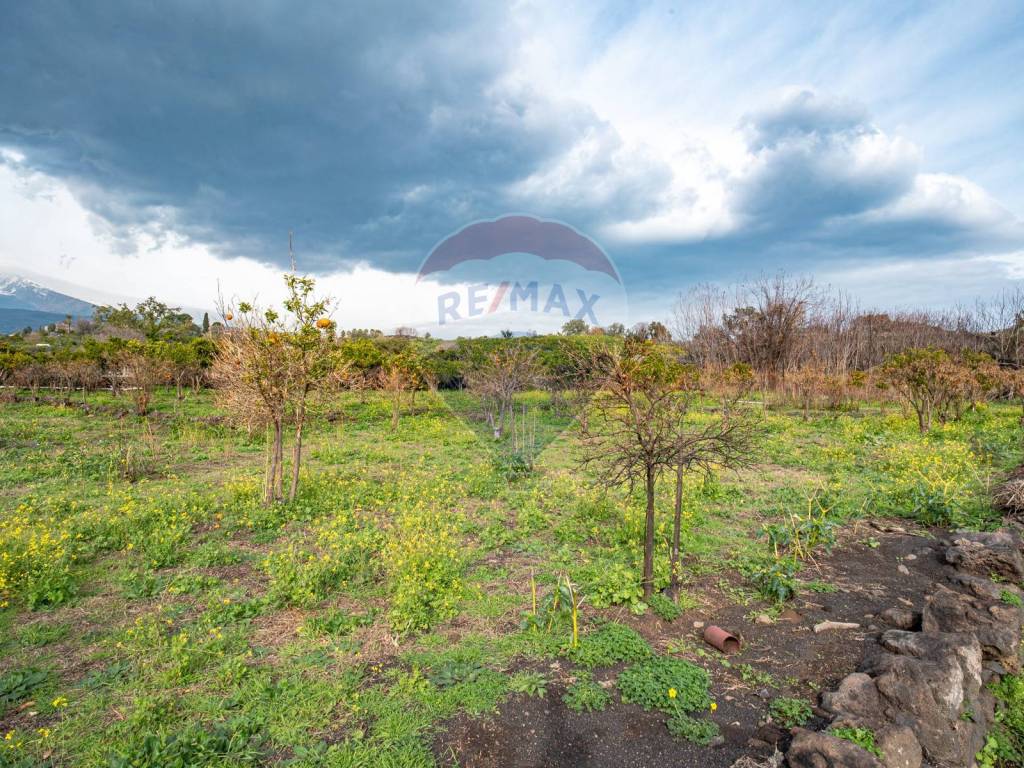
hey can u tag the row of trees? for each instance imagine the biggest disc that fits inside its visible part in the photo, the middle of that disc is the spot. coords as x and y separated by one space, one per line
780 324
118 364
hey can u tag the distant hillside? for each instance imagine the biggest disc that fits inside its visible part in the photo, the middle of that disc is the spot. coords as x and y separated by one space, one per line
13 319
24 303
19 293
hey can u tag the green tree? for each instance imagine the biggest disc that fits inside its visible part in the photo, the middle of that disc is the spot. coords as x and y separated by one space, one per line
574 328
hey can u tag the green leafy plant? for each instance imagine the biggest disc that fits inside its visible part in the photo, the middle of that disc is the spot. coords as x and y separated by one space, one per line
753 676
561 604
337 623
454 671
585 695
775 579
613 583
1011 598
665 684
664 608
18 684
236 742
790 713
1004 746
611 644
862 737
532 684
698 731
142 584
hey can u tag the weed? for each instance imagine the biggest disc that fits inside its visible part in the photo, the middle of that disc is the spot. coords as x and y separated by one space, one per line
1004 746
700 732
1011 598
664 608
18 684
789 713
40 634
585 695
609 645
756 677
532 684
336 623
666 684
775 579
862 737
452 672
236 742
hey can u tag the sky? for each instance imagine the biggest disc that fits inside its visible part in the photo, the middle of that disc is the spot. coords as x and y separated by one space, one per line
169 148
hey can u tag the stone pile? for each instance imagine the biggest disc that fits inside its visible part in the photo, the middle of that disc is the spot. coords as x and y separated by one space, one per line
921 688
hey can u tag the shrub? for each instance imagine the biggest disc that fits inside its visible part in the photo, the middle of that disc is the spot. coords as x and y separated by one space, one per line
609 645
666 684
585 695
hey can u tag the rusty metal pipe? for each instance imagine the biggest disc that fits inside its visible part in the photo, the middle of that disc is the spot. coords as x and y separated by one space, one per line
724 641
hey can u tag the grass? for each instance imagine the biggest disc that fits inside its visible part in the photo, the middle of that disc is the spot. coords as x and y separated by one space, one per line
154 610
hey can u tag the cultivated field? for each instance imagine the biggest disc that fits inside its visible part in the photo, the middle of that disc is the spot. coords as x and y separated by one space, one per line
399 612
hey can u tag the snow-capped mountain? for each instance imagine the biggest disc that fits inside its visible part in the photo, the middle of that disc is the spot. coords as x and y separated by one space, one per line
26 304
18 293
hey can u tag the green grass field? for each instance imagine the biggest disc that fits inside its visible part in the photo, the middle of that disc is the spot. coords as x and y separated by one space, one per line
154 611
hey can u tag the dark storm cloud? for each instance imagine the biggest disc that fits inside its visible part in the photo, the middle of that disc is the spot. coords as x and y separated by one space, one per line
372 130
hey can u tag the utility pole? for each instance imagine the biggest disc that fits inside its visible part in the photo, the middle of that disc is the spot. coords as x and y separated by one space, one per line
291 253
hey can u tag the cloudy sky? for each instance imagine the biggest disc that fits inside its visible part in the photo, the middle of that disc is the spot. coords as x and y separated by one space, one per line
156 148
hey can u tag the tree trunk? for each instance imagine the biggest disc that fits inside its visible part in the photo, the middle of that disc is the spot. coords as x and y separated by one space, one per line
268 480
648 580
300 418
677 525
279 459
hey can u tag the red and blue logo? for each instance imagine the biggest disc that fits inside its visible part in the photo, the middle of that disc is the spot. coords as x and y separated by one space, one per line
519 274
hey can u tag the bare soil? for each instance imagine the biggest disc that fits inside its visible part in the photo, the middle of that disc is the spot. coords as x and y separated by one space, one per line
864 569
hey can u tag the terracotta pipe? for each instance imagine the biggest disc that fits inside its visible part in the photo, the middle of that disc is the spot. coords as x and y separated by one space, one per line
724 641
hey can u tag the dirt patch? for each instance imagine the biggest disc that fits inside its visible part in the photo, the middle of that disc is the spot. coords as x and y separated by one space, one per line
783 658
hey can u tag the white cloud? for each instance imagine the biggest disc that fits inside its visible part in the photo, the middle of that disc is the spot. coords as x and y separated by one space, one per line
45 234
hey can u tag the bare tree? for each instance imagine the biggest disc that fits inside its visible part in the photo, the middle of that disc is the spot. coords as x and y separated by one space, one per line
398 376
31 376
705 448
251 374
143 373
631 434
502 374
